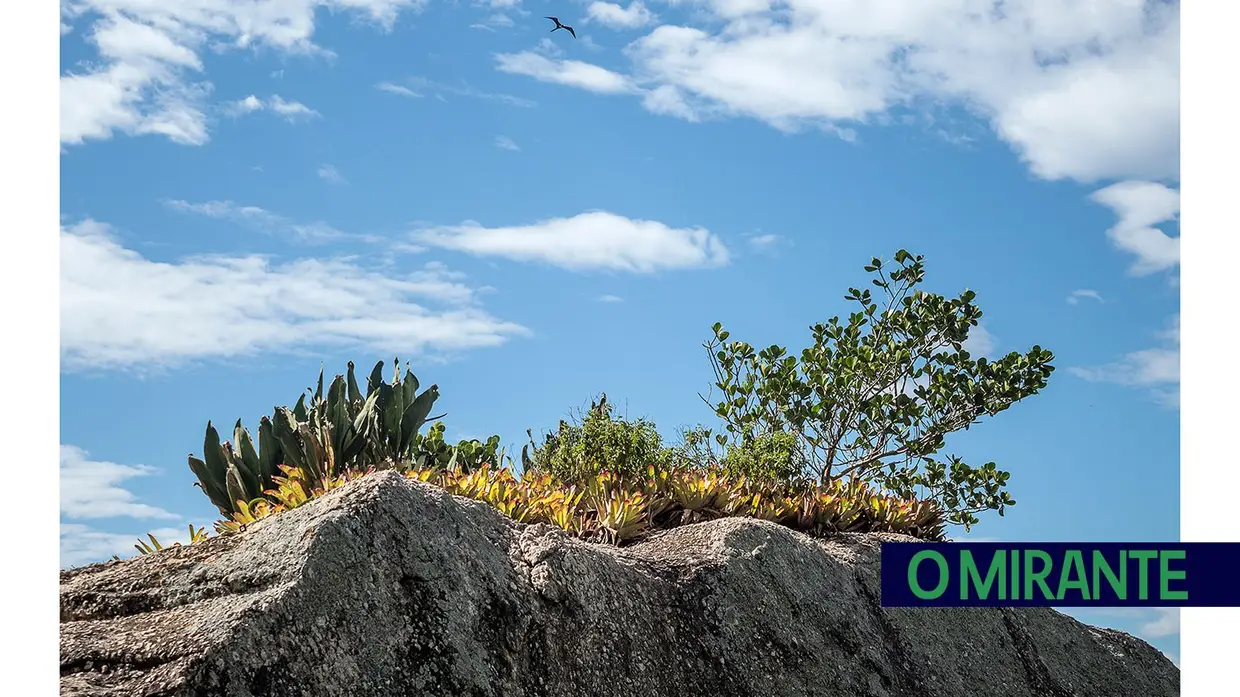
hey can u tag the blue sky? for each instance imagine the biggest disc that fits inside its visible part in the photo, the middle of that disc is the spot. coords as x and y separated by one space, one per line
250 191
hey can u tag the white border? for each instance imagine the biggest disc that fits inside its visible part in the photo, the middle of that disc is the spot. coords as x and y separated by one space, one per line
1209 471
29 353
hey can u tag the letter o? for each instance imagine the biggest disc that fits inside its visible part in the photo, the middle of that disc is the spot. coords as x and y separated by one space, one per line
914 586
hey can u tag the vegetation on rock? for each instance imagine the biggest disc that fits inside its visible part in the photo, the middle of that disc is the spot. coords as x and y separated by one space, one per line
874 398
842 438
576 452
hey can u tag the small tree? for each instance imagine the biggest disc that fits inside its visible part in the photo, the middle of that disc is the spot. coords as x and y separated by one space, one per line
874 398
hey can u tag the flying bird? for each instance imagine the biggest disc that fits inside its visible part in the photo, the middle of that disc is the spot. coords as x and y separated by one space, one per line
561 26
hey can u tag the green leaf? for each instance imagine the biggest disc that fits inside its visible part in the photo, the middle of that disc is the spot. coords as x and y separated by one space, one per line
355 394
375 379
270 455
215 489
247 460
236 487
416 415
299 410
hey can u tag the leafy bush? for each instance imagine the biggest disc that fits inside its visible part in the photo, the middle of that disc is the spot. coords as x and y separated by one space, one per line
576 452
433 452
841 438
874 397
769 456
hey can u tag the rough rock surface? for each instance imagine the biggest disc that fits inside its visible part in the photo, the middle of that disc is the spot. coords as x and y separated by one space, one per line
390 587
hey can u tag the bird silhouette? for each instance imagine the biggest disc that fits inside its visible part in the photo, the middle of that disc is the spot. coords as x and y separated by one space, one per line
561 26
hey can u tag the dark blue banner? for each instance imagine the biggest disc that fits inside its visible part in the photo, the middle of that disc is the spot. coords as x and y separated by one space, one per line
1060 574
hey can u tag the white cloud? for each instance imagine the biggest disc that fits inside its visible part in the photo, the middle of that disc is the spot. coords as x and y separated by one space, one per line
766 243
290 110
82 544
417 85
263 220
1140 206
1081 90
329 173
122 310
1075 296
1148 623
609 14
149 77
396 89
506 143
499 19
1165 623
610 299
595 240
1156 368
980 342
249 105
573 73
90 488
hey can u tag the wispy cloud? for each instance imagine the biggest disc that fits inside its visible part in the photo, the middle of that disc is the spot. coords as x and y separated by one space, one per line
148 76
980 342
82 544
766 242
396 89
1076 296
290 110
91 488
120 310
1083 92
610 299
1165 623
492 22
1149 623
609 14
589 241
1156 369
329 173
572 73
418 86
506 143
1141 207
263 220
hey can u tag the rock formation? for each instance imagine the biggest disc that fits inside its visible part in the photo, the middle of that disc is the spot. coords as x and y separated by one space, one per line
392 587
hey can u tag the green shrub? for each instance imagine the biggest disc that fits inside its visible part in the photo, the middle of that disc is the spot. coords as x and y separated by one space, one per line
769 456
773 457
599 443
431 451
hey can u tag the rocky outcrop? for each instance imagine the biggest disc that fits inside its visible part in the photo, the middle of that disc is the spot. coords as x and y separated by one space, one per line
391 587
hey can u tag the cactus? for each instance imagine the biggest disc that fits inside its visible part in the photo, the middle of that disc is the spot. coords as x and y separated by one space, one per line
322 435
